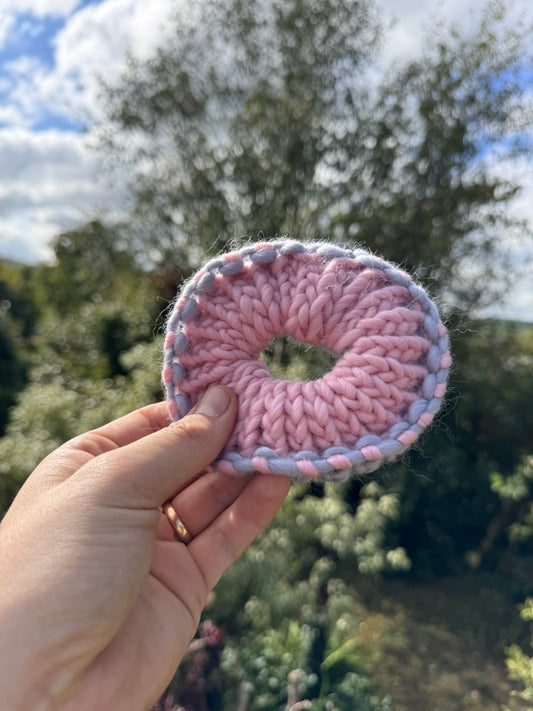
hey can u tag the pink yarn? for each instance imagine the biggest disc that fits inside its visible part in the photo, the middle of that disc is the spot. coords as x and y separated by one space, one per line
382 328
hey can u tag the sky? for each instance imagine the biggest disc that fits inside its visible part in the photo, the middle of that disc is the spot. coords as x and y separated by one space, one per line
51 55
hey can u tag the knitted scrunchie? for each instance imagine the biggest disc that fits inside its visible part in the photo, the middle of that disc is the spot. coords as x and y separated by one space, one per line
385 388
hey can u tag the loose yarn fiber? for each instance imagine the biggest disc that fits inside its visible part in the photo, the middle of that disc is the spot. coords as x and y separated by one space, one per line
386 387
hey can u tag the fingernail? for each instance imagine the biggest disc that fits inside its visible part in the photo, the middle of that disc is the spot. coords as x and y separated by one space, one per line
214 403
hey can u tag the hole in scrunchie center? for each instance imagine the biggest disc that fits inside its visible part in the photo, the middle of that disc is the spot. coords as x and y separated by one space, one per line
289 359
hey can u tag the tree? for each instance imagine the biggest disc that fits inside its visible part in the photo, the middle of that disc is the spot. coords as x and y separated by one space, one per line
226 126
93 355
418 179
97 302
91 265
18 315
258 118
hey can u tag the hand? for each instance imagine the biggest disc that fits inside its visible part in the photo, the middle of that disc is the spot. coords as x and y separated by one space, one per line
98 601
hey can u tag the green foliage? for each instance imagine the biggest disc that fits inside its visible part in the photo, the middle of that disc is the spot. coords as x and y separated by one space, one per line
520 663
90 265
93 357
298 630
363 534
288 359
520 668
13 370
291 629
96 303
56 406
18 313
89 343
310 528
518 489
353 692
449 512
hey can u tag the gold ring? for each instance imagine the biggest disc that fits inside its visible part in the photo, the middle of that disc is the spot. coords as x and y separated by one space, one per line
181 533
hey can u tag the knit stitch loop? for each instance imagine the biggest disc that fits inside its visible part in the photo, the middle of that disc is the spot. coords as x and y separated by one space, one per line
385 388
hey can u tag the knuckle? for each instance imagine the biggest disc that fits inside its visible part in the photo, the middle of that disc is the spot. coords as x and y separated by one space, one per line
193 431
226 547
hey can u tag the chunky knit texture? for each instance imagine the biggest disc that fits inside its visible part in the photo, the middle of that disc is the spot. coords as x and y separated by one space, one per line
387 385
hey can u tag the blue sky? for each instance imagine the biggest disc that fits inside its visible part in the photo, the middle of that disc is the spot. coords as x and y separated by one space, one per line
32 38
50 53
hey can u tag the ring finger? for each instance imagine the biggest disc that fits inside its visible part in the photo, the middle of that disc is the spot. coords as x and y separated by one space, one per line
201 502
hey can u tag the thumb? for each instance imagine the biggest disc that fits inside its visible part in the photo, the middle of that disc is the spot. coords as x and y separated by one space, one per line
148 472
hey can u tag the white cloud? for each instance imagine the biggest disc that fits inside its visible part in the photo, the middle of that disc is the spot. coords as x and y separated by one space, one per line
413 21
22 79
94 44
518 304
48 183
6 23
59 8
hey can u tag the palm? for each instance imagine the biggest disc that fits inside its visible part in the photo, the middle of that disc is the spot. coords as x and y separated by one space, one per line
140 659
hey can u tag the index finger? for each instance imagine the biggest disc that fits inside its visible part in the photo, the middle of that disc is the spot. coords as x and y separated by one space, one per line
67 459
136 424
